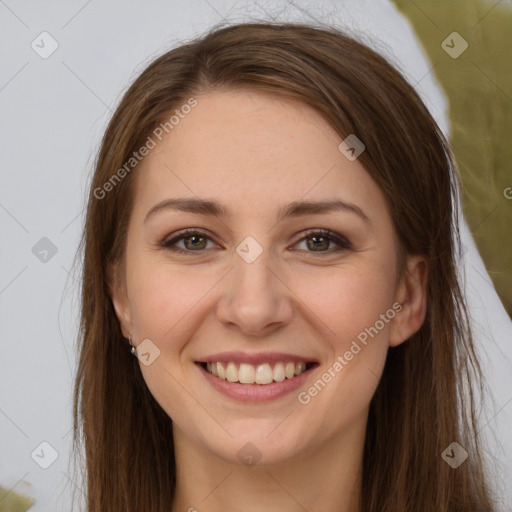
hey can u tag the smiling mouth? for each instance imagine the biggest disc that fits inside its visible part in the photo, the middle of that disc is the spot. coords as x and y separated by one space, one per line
262 374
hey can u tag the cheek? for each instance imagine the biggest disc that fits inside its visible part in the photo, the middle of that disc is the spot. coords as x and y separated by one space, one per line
169 302
162 300
347 301
165 304
354 313
349 307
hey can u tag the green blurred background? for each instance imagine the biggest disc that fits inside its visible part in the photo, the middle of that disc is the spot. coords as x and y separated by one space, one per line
478 85
11 501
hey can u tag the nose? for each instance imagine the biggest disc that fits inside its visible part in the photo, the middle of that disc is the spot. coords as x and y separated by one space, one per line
256 300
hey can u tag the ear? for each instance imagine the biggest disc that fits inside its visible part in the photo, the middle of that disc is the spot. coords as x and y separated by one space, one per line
411 293
117 288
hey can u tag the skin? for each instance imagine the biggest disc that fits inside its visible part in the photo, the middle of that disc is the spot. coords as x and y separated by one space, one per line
255 152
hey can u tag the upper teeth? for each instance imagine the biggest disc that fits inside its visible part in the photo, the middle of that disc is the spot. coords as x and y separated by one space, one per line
259 374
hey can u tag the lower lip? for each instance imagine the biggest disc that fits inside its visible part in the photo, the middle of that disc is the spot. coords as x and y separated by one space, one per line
255 393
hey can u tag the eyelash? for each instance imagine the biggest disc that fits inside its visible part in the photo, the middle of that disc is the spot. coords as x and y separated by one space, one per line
341 241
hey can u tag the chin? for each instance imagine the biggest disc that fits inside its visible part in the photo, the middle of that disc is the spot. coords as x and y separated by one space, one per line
258 444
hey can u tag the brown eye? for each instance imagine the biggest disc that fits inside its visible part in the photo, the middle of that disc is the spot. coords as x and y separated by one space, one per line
193 241
319 241
196 242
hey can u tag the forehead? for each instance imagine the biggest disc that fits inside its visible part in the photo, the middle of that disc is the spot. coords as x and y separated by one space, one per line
252 149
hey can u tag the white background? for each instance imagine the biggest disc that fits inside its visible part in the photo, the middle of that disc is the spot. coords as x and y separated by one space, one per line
53 113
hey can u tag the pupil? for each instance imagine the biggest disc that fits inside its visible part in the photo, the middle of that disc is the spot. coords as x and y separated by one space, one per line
195 237
316 239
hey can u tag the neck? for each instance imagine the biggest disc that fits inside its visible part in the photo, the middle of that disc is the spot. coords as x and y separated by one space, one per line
328 478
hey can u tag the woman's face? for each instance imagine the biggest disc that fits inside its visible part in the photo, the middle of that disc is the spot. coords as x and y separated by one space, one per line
256 285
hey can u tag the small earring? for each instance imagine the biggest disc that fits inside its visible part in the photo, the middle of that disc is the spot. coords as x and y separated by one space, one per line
133 348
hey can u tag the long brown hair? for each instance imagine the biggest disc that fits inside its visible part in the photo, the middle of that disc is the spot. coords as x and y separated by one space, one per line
422 403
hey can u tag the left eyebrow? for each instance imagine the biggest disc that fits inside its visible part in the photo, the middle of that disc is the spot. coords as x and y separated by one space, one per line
294 209
299 208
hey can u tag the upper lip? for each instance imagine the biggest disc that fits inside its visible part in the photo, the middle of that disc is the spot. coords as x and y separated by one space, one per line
255 358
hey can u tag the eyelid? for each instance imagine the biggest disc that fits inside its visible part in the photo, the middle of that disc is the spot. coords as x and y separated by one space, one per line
341 241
